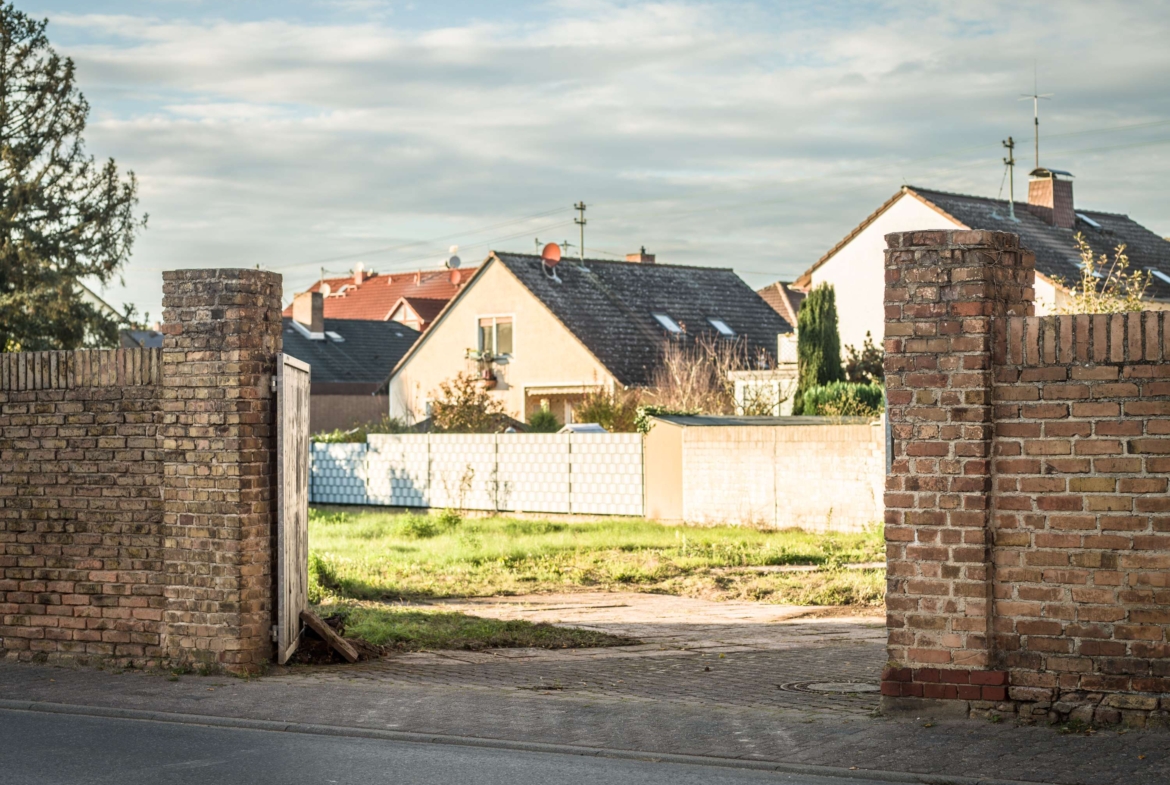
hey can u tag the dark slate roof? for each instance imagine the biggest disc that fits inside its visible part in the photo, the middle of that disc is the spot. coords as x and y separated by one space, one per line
608 306
1055 249
369 352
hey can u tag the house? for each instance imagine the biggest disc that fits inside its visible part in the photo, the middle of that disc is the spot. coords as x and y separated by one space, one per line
412 298
784 299
1046 224
349 359
545 337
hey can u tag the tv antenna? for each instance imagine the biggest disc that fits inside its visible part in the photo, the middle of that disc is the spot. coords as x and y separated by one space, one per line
1010 163
580 221
1036 97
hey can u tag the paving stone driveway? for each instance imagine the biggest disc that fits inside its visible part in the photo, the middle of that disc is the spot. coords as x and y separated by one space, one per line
693 651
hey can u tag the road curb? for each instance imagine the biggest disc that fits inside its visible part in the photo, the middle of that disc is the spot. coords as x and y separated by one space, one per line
499 744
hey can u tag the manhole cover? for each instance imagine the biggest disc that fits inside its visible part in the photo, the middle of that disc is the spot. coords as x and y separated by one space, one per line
833 687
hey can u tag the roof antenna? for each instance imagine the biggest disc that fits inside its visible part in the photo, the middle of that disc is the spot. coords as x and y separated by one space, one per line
580 221
1010 163
1036 97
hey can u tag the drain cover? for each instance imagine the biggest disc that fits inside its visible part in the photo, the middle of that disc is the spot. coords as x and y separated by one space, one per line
832 687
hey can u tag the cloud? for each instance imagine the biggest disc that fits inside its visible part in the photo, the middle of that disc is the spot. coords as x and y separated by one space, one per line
712 133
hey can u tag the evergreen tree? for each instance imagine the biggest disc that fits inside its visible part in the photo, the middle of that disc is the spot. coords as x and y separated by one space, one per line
63 216
818 346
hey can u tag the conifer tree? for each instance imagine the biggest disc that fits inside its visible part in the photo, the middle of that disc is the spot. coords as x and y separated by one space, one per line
818 346
63 216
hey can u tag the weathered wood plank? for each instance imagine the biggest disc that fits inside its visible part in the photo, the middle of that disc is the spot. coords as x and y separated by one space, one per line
327 633
292 479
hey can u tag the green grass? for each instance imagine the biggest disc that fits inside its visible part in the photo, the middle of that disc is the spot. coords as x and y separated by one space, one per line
381 556
413 629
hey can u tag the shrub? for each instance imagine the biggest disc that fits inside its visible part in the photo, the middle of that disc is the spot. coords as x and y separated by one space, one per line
818 346
543 421
462 405
844 399
865 366
615 411
358 434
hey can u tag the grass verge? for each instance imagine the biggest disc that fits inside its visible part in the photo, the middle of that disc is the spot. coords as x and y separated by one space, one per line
370 555
414 629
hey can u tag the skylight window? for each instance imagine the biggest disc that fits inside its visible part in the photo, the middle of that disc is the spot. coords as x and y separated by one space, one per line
335 337
1160 275
670 325
722 327
1089 220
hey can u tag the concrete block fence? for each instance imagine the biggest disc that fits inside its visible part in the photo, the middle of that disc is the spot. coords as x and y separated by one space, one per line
598 474
1027 519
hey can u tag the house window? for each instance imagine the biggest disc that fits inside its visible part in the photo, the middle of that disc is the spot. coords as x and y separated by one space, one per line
669 324
495 335
722 327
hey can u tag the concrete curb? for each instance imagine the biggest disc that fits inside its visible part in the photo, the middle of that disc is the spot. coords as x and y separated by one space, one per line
499 744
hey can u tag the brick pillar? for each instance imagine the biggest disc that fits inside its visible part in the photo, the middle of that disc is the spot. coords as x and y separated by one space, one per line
943 290
220 345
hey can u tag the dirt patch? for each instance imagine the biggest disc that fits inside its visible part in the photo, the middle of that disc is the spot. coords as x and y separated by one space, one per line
313 650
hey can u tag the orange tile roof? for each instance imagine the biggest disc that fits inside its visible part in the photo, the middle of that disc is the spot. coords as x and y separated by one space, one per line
375 298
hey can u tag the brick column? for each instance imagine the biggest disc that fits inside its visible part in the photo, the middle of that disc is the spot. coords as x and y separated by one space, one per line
943 290
221 340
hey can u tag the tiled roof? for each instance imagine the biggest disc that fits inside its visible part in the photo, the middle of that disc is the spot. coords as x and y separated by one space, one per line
369 352
425 308
784 299
609 307
377 295
1055 249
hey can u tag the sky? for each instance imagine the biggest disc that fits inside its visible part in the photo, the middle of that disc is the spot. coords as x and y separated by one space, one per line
308 134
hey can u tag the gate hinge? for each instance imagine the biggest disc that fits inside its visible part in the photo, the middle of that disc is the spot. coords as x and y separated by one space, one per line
275 635
273 384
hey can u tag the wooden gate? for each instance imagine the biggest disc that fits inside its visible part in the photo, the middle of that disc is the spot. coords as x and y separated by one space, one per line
292 493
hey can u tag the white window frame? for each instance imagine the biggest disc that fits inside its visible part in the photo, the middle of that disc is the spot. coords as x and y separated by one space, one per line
721 326
667 322
496 332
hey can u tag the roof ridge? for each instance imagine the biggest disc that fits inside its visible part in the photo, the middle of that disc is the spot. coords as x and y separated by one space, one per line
620 262
918 189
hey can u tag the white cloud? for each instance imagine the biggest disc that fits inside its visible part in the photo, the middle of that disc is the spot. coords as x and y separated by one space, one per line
719 134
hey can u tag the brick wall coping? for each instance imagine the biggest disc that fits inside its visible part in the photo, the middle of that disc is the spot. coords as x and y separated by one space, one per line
22 371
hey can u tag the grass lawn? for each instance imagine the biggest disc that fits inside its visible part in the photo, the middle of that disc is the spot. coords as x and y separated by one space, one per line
369 555
413 629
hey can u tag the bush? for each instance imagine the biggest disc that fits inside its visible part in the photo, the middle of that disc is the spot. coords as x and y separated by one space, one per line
865 366
844 399
616 412
543 421
387 424
462 405
818 346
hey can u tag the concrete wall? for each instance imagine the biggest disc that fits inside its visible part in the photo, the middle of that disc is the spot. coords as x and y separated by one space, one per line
136 499
822 476
545 354
1027 515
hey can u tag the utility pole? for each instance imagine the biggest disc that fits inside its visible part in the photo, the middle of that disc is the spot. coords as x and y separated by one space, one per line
1010 162
580 221
1036 97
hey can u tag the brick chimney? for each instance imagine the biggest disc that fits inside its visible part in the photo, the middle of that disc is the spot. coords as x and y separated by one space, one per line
309 311
641 257
1050 197
359 274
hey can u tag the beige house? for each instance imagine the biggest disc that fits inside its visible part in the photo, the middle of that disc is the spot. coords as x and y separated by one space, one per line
542 337
1046 224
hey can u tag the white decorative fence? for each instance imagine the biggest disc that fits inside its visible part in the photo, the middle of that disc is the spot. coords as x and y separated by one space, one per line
600 474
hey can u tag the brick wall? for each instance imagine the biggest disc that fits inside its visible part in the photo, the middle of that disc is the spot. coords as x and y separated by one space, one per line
136 500
1026 507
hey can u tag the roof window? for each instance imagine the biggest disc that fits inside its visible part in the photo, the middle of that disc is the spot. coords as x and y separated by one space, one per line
722 327
1089 220
1160 275
335 337
670 325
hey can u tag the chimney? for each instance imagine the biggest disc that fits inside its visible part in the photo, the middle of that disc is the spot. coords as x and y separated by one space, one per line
641 257
359 274
309 311
1050 197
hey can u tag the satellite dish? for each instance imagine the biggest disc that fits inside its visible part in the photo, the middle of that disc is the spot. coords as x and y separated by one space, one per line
550 255
456 277
453 262
325 290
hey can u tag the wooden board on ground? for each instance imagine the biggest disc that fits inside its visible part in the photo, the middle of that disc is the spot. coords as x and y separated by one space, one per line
329 635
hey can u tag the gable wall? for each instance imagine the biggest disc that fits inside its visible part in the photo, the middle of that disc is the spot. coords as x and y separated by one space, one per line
857 271
544 352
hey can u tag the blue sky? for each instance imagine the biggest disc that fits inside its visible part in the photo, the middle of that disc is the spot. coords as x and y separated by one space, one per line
301 135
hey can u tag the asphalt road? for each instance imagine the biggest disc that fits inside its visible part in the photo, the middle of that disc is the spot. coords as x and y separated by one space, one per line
44 749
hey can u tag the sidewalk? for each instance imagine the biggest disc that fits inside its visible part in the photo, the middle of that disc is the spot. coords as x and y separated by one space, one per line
781 691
